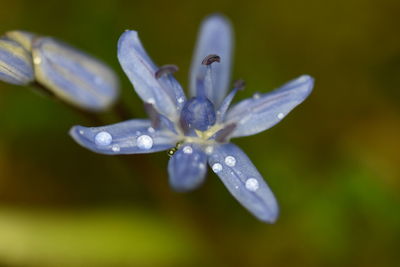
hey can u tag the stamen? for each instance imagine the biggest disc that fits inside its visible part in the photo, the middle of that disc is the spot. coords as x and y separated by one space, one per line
200 87
184 125
158 120
208 60
204 83
238 85
208 82
153 115
222 135
166 69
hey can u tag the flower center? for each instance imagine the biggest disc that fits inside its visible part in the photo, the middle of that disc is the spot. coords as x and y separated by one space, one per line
198 113
204 137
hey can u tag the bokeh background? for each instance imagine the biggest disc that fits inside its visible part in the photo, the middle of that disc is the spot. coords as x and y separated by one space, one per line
333 163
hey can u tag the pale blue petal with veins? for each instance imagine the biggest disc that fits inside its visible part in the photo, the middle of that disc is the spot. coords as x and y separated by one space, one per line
67 73
215 37
187 168
128 137
15 63
73 75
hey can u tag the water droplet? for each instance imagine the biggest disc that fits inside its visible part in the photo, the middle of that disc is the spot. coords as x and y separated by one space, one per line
151 130
81 132
144 142
202 166
252 184
230 161
209 150
280 116
137 133
115 148
37 60
216 167
180 100
103 138
188 150
256 95
151 101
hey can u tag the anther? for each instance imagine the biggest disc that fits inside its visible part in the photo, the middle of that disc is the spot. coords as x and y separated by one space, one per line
166 69
239 84
208 60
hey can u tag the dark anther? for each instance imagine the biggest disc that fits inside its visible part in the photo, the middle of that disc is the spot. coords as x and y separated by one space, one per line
166 69
208 60
239 84
153 115
223 134
184 125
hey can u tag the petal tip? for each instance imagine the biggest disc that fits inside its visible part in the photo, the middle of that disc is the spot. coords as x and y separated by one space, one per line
126 34
217 18
309 80
15 63
303 85
271 217
74 132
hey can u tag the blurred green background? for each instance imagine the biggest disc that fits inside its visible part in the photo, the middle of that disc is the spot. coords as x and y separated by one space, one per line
333 163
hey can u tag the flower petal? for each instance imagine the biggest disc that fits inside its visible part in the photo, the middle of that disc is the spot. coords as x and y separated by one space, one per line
128 137
165 93
73 76
15 63
187 168
244 182
215 37
261 112
25 39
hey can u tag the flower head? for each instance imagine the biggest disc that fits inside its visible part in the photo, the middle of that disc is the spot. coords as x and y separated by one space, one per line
197 131
67 73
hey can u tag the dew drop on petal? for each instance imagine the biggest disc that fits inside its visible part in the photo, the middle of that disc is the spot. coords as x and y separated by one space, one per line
144 142
280 116
230 161
256 95
180 100
103 138
216 167
209 150
151 130
252 184
202 166
81 132
187 150
151 101
37 60
115 148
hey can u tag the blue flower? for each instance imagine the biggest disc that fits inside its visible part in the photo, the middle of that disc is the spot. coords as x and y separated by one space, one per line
69 74
198 130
